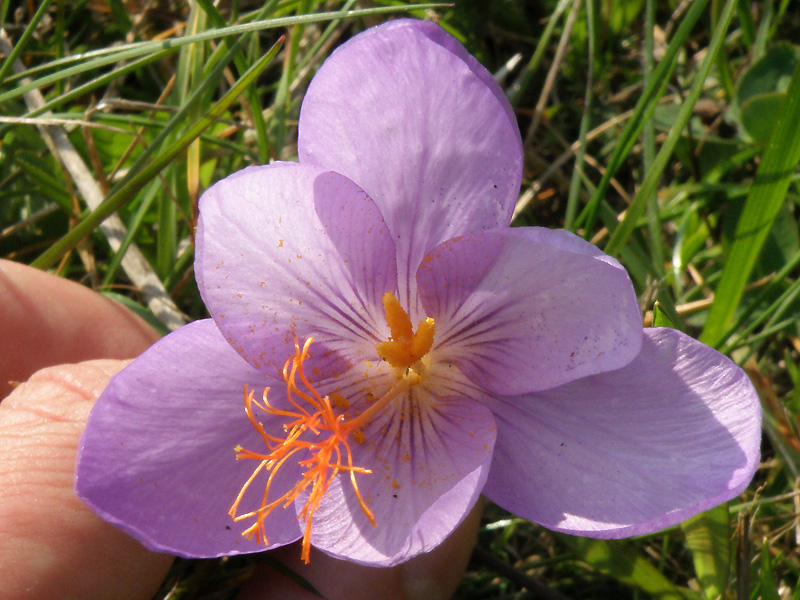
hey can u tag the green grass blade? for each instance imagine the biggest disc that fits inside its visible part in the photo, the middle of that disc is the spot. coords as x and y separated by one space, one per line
622 561
138 309
183 177
85 88
89 61
240 60
23 39
140 49
182 115
518 88
723 66
125 192
708 539
650 184
641 113
761 207
134 224
769 590
745 324
575 183
649 148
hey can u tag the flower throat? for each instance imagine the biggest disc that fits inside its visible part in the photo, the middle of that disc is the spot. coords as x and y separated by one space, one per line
322 434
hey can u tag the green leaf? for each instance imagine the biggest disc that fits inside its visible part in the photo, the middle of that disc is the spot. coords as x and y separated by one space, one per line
771 73
620 15
761 207
660 318
623 562
758 115
708 539
782 242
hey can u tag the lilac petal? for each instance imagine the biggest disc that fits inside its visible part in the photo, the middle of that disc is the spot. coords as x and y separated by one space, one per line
632 451
429 458
404 111
288 249
157 458
527 309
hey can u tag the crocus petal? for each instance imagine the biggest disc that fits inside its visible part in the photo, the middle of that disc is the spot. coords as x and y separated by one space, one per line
405 112
429 458
632 451
276 256
157 458
526 309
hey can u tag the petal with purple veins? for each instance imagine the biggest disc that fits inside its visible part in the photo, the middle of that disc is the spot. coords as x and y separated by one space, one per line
277 257
632 451
405 112
526 309
429 458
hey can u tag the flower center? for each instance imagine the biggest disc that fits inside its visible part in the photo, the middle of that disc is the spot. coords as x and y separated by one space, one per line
323 435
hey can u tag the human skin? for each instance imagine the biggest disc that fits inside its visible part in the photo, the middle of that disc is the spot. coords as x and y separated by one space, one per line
64 342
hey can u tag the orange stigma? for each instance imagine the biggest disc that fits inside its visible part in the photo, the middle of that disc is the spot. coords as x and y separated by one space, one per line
321 434
405 347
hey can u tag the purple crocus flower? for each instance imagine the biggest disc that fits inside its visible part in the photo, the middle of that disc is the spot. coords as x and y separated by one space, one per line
451 355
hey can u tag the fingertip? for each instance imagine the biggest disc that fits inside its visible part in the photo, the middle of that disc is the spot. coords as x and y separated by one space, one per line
431 576
435 575
48 320
53 545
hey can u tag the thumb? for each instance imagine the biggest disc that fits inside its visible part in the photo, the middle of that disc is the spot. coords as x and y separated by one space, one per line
54 546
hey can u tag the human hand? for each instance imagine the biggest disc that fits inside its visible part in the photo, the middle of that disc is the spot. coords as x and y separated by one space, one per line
53 546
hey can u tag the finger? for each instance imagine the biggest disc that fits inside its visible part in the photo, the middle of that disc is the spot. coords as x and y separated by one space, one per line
47 320
431 576
52 545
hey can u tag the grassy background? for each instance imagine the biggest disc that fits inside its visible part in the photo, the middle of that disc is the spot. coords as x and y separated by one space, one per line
666 132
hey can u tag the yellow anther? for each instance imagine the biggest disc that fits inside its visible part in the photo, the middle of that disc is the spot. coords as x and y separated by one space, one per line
397 319
423 339
405 347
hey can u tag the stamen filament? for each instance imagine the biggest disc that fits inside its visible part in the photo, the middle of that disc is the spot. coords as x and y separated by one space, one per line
366 416
326 458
